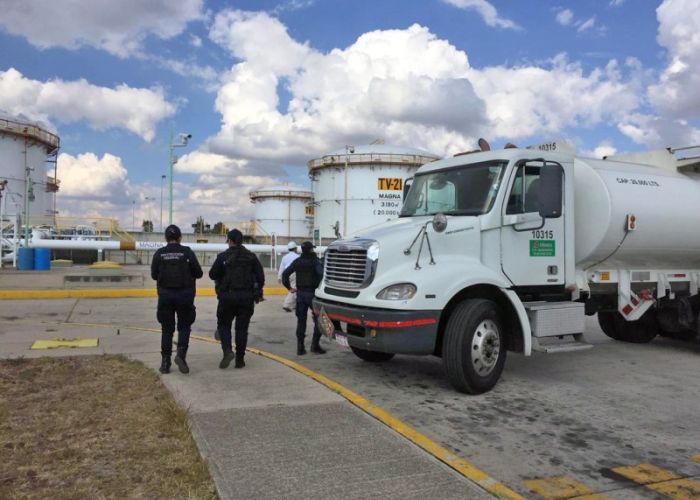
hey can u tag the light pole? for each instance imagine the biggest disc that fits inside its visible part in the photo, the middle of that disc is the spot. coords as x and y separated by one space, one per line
162 180
149 199
183 138
133 215
348 151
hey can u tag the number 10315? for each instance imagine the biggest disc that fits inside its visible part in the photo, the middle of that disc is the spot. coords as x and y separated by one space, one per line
542 234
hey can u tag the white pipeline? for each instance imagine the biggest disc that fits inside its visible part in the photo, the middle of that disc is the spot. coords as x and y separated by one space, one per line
144 246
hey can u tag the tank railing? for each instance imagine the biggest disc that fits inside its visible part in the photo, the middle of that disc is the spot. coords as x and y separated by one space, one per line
281 194
370 158
29 130
687 148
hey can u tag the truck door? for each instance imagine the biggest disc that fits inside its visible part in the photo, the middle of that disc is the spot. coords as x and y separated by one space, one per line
532 241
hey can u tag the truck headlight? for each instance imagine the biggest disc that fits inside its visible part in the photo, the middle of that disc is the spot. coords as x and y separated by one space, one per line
373 252
400 291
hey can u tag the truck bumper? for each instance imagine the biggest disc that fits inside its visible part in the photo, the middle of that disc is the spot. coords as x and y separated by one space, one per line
383 330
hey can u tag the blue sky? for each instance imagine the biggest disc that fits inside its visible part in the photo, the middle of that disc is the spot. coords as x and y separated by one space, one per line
266 85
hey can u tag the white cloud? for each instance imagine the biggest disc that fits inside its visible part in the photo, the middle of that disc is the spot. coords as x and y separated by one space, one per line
195 41
604 148
530 100
119 28
135 109
616 3
586 25
89 177
678 90
564 17
406 86
486 10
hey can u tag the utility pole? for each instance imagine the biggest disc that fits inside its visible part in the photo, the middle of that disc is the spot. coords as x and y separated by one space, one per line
184 138
162 180
348 151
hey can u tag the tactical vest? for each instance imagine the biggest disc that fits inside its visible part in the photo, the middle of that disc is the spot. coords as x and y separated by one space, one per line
305 269
239 272
174 268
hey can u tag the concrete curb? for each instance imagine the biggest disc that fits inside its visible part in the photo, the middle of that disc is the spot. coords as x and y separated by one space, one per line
109 293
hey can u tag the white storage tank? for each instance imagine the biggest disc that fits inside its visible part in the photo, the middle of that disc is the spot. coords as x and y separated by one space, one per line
285 211
24 144
360 186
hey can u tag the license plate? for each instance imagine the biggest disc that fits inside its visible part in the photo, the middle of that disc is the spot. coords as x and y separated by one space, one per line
325 324
342 340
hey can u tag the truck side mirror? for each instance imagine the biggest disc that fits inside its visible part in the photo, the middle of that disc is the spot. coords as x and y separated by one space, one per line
406 186
550 192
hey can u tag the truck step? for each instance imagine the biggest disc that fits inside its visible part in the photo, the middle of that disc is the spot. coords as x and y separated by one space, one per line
557 347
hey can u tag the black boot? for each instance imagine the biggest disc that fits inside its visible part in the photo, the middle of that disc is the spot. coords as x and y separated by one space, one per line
239 360
226 360
180 360
301 350
316 348
165 364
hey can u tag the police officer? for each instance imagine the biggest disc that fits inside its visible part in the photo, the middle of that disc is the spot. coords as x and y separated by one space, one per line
239 279
309 272
175 268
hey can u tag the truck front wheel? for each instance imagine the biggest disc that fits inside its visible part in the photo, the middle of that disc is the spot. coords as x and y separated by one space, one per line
615 326
372 356
474 350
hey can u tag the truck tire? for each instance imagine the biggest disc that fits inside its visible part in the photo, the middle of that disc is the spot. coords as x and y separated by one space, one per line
474 350
372 356
637 332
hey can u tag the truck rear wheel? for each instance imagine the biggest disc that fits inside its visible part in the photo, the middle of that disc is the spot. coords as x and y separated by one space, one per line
372 356
637 332
474 350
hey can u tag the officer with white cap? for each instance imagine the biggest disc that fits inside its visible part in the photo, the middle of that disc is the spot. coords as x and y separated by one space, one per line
290 301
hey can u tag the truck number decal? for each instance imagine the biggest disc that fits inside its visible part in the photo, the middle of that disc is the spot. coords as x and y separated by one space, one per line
541 234
542 248
389 184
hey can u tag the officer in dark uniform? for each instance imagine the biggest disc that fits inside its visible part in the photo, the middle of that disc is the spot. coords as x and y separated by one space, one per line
309 273
239 279
175 268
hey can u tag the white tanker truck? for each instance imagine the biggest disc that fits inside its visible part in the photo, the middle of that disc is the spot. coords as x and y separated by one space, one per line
508 250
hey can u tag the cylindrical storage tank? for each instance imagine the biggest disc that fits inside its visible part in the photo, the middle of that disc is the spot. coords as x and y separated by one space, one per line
42 259
284 211
25 259
666 206
361 186
26 145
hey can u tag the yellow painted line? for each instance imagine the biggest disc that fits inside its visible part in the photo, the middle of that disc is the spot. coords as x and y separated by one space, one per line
61 343
109 293
444 455
645 473
696 457
678 489
558 487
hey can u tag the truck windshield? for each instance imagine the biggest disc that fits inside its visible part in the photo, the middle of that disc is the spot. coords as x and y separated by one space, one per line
463 190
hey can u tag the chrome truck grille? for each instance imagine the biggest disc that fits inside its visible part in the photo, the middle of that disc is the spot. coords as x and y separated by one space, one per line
347 266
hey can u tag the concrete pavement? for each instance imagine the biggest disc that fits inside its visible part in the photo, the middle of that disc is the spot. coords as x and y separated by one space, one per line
266 431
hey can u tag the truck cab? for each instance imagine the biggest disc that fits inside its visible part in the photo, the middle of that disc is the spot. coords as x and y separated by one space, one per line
478 235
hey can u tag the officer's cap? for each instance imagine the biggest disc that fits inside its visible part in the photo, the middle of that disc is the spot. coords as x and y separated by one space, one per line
307 247
235 236
172 232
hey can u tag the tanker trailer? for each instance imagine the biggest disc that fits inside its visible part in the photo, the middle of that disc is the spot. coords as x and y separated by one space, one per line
508 250
638 244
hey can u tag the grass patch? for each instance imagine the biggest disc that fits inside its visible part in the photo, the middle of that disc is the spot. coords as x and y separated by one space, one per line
94 427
